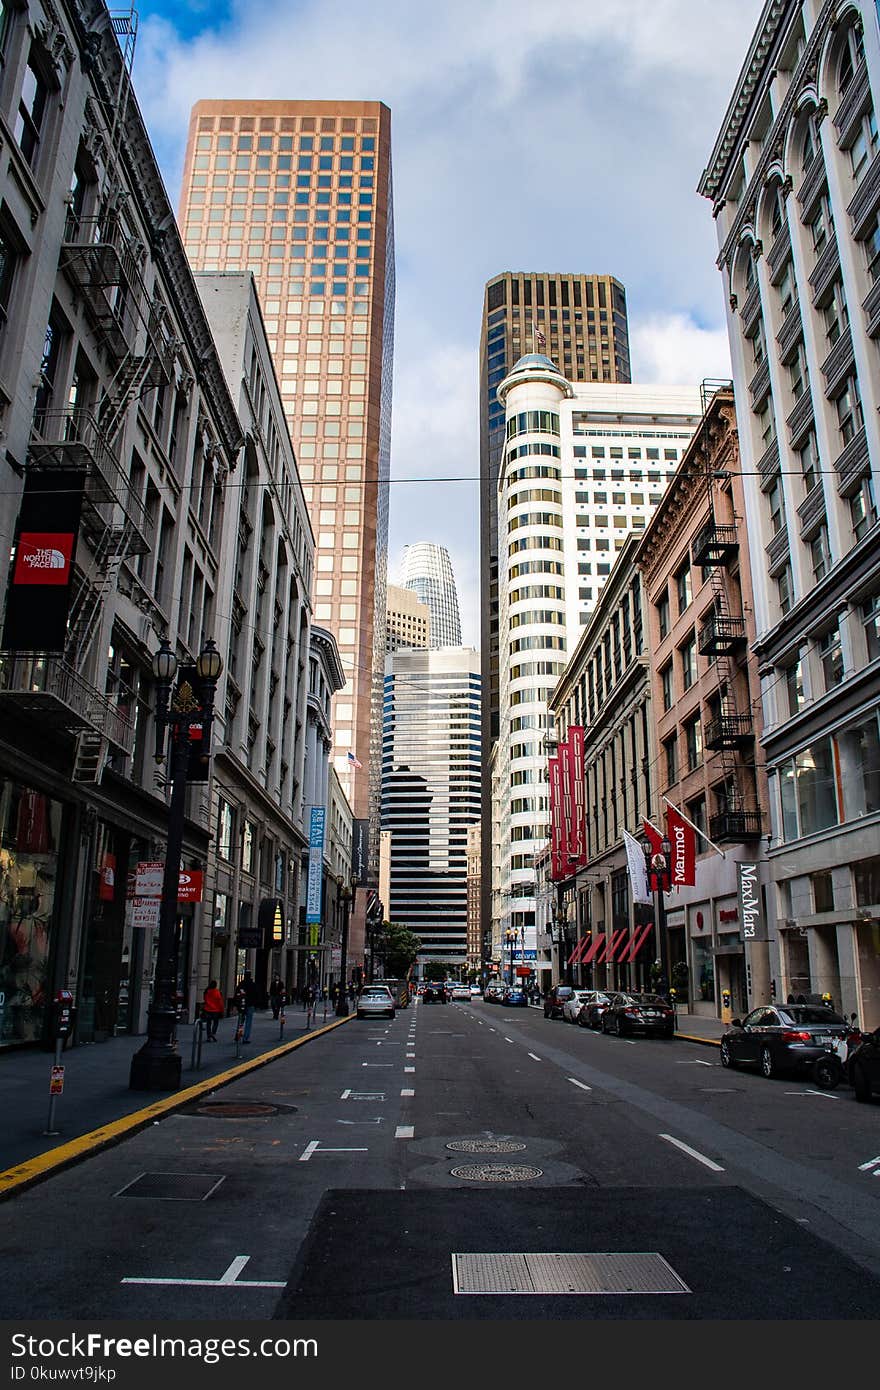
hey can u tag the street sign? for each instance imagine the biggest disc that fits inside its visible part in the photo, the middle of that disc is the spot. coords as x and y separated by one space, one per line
190 886
316 864
56 1081
145 913
148 879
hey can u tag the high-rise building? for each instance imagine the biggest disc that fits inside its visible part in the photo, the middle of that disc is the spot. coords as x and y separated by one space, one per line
431 792
427 570
584 466
407 620
580 322
299 193
794 179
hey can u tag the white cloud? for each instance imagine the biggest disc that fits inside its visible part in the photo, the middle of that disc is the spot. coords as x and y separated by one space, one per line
673 348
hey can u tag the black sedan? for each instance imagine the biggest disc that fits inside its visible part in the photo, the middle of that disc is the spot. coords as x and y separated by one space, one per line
781 1037
864 1067
639 1013
590 1015
435 994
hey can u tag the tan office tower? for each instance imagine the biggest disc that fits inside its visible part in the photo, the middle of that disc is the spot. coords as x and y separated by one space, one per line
299 192
580 323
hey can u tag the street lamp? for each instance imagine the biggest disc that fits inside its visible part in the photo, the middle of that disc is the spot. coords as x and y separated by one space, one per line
510 936
345 895
182 719
657 866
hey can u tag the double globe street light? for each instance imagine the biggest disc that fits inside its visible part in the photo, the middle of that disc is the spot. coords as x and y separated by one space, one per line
183 720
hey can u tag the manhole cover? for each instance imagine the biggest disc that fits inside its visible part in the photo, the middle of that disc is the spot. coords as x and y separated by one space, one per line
239 1109
497 1172
485 1146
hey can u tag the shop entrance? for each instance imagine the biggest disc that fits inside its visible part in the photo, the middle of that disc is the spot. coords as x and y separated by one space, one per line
30 841
104 994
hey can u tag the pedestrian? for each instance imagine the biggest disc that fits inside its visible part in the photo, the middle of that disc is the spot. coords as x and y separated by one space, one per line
277 995
249 994
212 1010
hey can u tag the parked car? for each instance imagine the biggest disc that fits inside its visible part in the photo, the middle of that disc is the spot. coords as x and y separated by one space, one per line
781 1037
639 1013
863 1070
461 992
375 999
515 999
573 1005
554 1000
493 992
435 994
591 1013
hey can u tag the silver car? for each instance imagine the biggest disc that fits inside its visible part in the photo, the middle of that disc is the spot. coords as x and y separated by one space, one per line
374 1000
573 1005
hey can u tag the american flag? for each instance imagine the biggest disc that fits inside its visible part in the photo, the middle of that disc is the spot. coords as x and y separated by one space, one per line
539 337
355 762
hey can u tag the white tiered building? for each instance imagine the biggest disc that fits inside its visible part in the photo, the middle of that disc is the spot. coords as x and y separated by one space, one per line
584 464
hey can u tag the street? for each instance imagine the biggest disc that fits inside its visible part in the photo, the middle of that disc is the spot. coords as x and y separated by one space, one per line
340 1182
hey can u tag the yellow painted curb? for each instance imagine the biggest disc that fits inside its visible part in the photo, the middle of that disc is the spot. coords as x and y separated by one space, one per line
688 1037
14 1180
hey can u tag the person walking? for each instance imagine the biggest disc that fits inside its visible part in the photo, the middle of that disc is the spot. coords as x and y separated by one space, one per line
250 994
277 995
212 1010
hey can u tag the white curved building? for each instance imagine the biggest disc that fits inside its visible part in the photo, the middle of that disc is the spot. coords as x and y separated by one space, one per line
427 570
584 464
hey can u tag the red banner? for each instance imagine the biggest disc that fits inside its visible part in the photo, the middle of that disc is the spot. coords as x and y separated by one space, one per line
567 844
655 836
682 860
555 818
579 811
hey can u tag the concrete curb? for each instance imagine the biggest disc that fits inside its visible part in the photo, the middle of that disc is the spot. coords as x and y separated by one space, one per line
46 1165
688 1037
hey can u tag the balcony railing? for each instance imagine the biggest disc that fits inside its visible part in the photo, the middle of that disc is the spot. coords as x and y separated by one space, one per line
715 545
101 261
736 827
721 635
73 440
58 697
729 731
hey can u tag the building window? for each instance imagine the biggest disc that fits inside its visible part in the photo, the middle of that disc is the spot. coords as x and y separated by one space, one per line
863 508
798 378
870 610
785 589
670 751
767 424
683 588
820 556
688 654
849 410
831 655
7 271
693 735
248 840
225 830
794 687
776 504
864 146
666 682
662 606
809 799
835 314
787 290
696 813
809 460
31 111
821 225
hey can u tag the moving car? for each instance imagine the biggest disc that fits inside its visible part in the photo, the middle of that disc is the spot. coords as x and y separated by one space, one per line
554 1000
476 992
515 999
573 1005
435 994
590 1015
493 992
639 1013
461 992
863 1069
375 999
781 1037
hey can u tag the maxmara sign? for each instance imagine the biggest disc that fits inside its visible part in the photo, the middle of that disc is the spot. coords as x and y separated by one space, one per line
751 912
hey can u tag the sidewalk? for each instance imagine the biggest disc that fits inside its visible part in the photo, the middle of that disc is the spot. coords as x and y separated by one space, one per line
96 1080
700 1029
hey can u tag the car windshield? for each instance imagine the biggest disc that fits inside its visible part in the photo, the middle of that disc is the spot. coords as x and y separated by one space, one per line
806 1013
376 993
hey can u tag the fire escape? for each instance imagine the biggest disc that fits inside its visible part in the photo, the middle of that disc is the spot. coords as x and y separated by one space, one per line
104 266
723 638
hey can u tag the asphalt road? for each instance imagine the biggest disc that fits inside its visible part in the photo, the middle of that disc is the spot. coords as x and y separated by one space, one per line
621 1179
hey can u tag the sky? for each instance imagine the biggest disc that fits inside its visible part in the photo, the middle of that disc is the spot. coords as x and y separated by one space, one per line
565 135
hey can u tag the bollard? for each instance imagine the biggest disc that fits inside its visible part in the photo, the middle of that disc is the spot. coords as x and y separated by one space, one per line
195 1060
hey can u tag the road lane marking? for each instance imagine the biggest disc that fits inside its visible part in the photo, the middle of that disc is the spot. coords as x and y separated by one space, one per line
686 1148
409 1069
872 1163
377 1064
823 1095
407 1093
695 1062
312 1148
533 1057
508 1039
229 1279
581 1084
404 1132
345 1095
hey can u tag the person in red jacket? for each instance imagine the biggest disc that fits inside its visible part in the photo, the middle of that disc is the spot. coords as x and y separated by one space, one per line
212 1009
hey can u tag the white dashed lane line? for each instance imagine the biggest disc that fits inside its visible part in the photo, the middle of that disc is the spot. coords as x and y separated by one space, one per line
583 1086
686 1148
407 1093
404 1132
534 1058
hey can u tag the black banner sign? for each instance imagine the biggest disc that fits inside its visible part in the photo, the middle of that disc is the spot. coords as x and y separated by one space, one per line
41 577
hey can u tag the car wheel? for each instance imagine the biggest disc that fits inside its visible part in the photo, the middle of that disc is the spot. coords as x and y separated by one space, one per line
861 1084
827 1072
727 1057
767 1067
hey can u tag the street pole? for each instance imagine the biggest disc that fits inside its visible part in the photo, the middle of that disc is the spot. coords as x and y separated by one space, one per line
342 996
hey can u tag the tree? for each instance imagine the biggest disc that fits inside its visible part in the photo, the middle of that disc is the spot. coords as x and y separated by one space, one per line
398 947
435 970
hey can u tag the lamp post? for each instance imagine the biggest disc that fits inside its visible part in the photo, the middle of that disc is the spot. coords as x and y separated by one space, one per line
182 719
345 894
657 866
560 920
510 936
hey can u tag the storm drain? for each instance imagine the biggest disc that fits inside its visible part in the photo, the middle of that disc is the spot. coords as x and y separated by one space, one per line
485 1146
172 1187
617 1273
497 1172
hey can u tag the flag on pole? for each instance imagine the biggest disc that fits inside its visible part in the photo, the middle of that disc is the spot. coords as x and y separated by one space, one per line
654 835
638 874
539 337
695 828
355 762
682 867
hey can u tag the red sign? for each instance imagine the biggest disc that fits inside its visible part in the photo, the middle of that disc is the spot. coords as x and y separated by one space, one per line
43 557
555 819
107 883
576 744
190 886
682 862
56 1081
522 971
569 849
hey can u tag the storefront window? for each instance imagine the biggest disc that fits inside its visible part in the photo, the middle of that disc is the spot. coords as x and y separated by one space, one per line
703 968
867 877
30 839
859 750
247 848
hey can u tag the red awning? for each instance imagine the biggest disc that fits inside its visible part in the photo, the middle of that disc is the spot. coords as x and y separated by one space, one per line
597 941
640 936
578 951
613 945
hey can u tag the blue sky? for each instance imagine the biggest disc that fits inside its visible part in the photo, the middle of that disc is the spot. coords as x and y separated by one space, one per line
567 135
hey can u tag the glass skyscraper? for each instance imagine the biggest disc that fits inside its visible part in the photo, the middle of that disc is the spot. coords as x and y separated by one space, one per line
427 570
